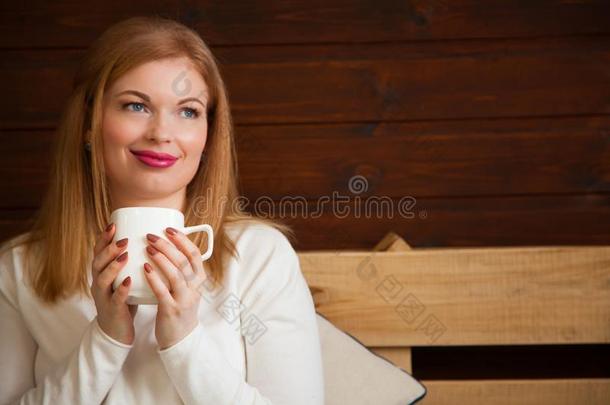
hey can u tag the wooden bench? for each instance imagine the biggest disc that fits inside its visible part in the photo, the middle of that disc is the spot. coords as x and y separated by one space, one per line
395 297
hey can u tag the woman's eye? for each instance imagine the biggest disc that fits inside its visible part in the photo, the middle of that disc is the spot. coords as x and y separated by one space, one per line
134 104
193 113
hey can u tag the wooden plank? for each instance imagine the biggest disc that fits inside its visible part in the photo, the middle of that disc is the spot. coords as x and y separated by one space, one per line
459 222
365 83
489 296
479 157
13 222
25 170
523 392
46 24
426 159
392 242
401 356
436 222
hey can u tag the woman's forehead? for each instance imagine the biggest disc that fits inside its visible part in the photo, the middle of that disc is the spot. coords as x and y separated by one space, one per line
177 77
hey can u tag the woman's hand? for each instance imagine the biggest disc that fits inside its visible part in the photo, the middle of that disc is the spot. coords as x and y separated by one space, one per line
114 315
180 261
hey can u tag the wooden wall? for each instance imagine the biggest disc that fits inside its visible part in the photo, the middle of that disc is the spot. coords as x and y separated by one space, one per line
493 117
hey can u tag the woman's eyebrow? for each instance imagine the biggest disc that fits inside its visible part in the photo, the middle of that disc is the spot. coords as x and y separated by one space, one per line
146 97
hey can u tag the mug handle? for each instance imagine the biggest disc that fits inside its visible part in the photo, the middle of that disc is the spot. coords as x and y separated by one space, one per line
207 229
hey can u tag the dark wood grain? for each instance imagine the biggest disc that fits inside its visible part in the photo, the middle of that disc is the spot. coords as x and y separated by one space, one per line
453 222
24 170
462 222
61 24
13 222
382 82
428 159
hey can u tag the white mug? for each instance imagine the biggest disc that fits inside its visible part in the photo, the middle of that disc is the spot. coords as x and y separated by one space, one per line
134 223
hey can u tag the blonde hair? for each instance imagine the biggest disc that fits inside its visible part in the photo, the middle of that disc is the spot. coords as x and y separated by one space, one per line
77 207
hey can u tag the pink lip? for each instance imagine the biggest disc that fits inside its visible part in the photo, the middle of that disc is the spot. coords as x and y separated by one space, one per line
154 159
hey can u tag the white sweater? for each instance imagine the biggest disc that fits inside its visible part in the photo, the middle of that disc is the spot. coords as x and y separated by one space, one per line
257 341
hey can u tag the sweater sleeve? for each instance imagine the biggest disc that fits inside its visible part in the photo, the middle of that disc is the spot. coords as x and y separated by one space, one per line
280 333
84 376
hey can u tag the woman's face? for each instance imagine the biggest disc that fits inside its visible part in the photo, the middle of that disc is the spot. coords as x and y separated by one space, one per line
159 106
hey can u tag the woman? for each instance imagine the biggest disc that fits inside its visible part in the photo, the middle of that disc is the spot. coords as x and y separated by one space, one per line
249 337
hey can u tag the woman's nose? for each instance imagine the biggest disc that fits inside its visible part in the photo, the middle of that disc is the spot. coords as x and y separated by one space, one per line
161 130
159 136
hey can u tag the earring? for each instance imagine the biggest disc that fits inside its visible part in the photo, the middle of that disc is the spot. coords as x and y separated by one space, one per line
88 146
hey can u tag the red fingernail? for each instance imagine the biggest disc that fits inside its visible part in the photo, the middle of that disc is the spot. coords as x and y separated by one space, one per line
122 257
121 243
151 237
151 250
109 227
171 231
147 267
127 281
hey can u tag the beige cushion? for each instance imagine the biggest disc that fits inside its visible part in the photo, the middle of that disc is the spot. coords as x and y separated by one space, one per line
354 375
